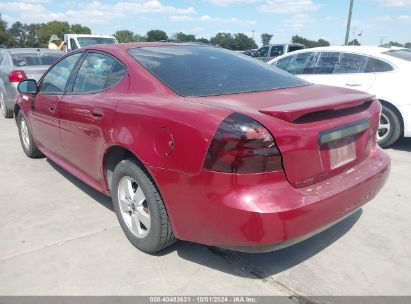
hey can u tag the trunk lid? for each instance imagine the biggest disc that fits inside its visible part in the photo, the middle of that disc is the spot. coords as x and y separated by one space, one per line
320 131
34 72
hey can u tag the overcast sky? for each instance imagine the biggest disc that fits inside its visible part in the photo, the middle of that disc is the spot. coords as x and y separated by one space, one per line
389 20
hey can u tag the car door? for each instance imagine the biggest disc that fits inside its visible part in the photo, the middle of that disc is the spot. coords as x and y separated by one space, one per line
45 106
343 70
87 111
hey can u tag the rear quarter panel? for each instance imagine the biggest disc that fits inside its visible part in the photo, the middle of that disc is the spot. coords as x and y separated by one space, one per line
151 118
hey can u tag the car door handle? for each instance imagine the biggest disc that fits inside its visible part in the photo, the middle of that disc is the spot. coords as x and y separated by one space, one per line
96 113
52 108
353 84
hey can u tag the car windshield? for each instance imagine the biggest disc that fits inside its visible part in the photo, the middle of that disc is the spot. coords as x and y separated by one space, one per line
206 71
85 41
402 54
30 59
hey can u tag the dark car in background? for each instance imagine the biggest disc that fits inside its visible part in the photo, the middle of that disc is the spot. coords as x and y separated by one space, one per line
269 52
19 64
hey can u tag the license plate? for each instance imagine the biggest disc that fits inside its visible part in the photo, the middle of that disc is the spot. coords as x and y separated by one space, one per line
341 155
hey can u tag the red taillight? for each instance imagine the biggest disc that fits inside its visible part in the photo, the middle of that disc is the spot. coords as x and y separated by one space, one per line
242 145
17 76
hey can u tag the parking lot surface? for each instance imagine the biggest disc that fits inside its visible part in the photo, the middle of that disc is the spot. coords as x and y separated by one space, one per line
60 237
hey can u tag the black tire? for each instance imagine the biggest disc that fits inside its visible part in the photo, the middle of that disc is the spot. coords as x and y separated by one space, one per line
395 127
31 149
5 110
160 234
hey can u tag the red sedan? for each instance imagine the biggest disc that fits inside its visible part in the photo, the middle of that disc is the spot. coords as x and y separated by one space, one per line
203 144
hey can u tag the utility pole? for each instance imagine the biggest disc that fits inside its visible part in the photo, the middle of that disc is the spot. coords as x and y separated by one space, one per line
347 33
253 31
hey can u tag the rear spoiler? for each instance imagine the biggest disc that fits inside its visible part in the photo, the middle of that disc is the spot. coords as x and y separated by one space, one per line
292 111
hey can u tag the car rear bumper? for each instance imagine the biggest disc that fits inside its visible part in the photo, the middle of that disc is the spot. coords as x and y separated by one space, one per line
263 212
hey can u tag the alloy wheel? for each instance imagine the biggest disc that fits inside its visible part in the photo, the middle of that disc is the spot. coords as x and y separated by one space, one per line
384 127
24 131
134 207
2 104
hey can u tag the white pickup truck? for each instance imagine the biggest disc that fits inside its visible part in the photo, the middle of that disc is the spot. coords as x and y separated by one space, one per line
75 41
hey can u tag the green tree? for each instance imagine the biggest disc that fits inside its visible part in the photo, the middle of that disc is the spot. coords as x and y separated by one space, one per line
184 37
203 40
224 40
139 38
156 35
309 43
6 39
266 38
19 31
407 45
79 29
32 38
58 28
243 42
393 43
354 42
124 36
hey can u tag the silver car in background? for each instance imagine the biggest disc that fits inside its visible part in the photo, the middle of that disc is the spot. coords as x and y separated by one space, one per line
19 64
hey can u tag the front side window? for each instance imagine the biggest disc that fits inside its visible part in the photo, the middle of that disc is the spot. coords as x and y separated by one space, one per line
276 50
94 73
73 44
326 62
206 71
56 79
302 63
350 63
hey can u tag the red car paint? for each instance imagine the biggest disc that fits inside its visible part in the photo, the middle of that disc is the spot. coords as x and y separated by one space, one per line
171 134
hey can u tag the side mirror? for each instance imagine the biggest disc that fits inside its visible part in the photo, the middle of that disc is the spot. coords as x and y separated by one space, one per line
256 54
28 86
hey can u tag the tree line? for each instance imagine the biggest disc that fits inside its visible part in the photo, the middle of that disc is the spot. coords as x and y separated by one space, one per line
38 35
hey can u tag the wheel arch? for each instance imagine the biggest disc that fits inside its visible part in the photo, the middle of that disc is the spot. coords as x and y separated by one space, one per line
115 154
395 110
16 110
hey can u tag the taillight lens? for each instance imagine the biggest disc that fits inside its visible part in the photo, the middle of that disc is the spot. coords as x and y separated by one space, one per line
242 145
17 76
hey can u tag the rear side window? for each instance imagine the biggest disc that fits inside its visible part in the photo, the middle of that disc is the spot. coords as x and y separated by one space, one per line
206 71
402 54
376 66
350 63
263 52
30 59
326 63
276 50
97 72
293 48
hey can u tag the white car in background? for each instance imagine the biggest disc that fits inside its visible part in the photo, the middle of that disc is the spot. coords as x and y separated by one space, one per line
384 72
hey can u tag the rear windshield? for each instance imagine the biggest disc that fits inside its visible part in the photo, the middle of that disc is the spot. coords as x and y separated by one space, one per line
206 71
85 41
402 54
30 59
